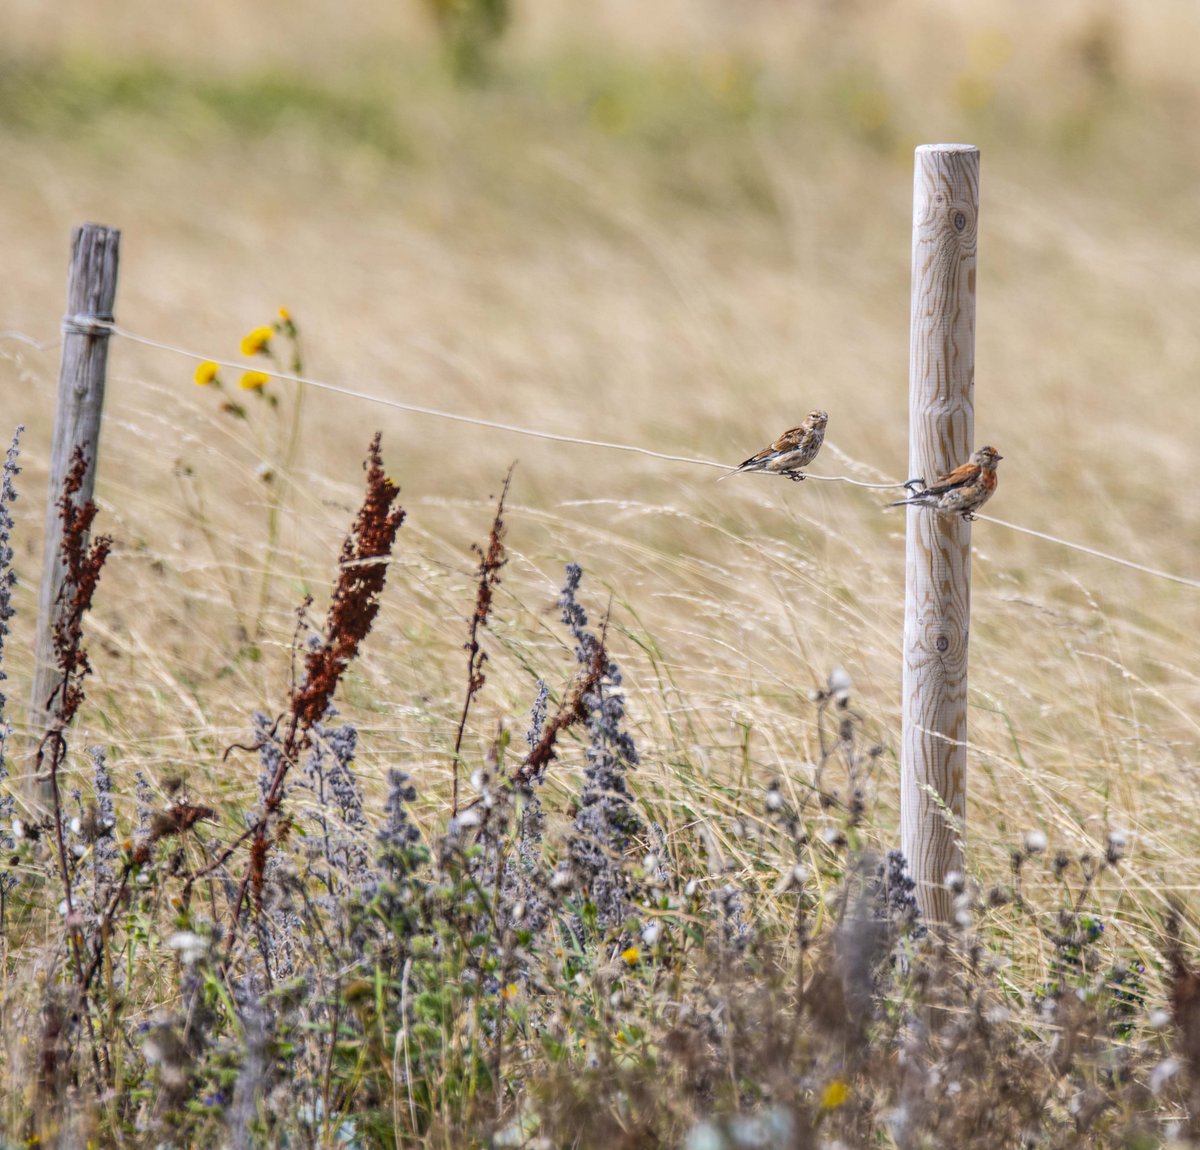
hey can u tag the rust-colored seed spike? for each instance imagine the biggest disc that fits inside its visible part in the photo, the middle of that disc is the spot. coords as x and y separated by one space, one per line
361 579
82 566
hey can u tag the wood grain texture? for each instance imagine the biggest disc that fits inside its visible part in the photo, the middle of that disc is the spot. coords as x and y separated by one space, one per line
937 611
91 293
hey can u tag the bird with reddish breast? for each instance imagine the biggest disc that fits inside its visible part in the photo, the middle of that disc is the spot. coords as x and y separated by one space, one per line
962 491
794 449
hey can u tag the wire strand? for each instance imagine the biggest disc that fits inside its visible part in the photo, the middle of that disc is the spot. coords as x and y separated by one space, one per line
1092 551
21 337
474 421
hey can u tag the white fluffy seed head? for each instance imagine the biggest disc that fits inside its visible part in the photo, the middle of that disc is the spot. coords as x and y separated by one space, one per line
839 683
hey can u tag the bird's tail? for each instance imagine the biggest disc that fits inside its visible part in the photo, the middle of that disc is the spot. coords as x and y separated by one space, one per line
915 498
741 467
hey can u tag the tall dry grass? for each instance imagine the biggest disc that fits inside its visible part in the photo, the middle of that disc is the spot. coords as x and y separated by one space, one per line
671 231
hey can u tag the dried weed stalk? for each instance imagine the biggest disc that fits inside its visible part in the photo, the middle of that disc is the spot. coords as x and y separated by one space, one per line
362 574
491 561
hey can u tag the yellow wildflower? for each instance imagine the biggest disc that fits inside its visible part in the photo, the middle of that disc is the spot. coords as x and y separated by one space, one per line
631 956
257 340
835 1094
510 991
206 373
253 381
285 316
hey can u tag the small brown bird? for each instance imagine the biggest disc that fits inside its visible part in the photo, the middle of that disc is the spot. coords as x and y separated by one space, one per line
792 450
964 490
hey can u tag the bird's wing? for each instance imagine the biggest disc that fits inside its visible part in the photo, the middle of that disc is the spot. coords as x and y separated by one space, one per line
959 477
787 441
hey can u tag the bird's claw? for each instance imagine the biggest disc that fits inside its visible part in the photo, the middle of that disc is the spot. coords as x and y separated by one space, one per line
969 516
911 483
795 476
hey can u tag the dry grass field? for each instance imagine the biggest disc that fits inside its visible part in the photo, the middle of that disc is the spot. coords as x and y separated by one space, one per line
679 230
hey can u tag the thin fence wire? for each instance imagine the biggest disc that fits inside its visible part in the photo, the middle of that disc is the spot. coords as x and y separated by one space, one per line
606 445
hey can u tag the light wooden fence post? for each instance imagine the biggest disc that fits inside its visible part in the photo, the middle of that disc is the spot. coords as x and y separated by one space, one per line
91 291
937 606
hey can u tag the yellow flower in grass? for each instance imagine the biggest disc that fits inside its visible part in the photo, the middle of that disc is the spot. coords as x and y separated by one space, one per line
631 956
257 340
206 373
254 381
284 324
835 1094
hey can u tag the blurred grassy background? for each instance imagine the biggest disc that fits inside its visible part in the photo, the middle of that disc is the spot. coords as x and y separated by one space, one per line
680 228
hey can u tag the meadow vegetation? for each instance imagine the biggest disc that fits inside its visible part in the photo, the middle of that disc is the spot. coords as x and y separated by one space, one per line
616 873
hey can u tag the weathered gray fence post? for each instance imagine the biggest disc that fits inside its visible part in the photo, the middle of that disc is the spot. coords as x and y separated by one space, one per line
937 608
91 291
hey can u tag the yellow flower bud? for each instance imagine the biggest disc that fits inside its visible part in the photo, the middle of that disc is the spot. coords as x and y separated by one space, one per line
835 1094
206 373
257 340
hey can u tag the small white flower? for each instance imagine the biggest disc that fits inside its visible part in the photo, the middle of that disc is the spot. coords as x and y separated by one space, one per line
791 878
1118 840
955 881
191 946
704 1136
650 862
1162 1074
839 683
651 933
1160 1019
561 878
76 825
774 799
689 891
1035 842
18 829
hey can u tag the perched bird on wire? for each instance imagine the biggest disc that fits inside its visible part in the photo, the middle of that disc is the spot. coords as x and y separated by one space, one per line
792 450
963 491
